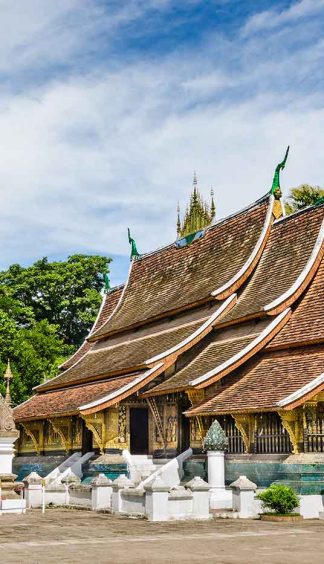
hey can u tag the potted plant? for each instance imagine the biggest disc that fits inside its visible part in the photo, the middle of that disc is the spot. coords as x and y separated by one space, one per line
281 501
215 443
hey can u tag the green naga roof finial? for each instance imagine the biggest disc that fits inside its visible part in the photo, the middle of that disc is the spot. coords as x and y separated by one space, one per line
106 282
275 189
134 251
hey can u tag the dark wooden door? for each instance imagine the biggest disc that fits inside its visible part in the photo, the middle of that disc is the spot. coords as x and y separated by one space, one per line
87 442
184 433
138 430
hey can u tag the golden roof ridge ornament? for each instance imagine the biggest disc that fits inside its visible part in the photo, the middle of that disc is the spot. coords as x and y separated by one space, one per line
198 215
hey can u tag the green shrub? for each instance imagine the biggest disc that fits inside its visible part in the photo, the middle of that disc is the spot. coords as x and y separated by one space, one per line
280 499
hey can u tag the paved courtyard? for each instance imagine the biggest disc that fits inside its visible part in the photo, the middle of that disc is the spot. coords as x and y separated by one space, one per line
80 536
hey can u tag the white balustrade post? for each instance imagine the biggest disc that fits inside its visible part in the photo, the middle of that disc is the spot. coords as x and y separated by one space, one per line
101 492
200 494
244 497
156 500
33 490
117 486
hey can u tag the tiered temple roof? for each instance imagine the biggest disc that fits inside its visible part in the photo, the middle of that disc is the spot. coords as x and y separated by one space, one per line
207 315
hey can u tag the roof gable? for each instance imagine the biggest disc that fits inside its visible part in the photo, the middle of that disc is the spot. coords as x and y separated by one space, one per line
173 279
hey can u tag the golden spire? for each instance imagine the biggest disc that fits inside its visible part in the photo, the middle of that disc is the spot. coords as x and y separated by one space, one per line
198 214
8 376
212 205
178 220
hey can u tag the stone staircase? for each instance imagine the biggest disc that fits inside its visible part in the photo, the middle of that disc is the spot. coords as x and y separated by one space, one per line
141 466
111 465
72 465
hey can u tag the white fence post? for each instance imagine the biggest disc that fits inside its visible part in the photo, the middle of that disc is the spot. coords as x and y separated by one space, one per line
120 483
101 492
33 490
200 502
156 500
243 497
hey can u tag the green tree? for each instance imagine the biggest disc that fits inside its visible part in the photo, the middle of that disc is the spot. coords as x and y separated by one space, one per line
35 354
45 312
66 294
303 196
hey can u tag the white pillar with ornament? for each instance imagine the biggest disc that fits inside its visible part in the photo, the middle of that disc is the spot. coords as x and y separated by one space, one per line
215 444
10 500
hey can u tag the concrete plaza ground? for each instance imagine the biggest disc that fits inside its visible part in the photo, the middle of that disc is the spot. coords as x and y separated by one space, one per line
81 536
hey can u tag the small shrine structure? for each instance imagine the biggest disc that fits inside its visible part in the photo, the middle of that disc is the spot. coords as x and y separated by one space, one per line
10 499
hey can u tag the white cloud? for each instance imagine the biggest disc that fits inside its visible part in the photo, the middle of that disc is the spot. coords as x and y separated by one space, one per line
270 19
89 154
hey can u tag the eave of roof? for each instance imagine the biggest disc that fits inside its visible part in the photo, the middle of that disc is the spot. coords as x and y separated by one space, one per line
62 402
123 392
108 304
243 348
280 379
306 325
169 355
293 253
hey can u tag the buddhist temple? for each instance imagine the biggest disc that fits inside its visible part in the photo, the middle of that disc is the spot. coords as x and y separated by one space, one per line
225 323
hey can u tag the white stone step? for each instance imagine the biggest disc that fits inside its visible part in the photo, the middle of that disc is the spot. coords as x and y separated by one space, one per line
73 465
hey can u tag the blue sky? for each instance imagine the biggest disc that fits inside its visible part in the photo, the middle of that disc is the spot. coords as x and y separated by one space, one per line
107 107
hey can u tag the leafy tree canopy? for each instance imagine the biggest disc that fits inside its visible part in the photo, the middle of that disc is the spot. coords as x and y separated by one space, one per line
66 294
303 196
45 312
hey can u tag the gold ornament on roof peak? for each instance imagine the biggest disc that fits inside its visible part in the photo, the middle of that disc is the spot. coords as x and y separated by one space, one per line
198 215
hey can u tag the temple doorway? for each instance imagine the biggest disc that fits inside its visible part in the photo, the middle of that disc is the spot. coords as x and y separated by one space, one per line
184 431
138 422
87 440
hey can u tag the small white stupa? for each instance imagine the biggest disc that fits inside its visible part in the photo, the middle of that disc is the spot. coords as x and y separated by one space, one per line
10 499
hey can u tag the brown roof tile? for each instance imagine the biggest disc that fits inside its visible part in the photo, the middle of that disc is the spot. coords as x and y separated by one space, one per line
266 381
122 357
67 401
173 278
212 356
306 324
285 256
110 302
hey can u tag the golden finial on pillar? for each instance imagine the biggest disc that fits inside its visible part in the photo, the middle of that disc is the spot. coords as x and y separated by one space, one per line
8 376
